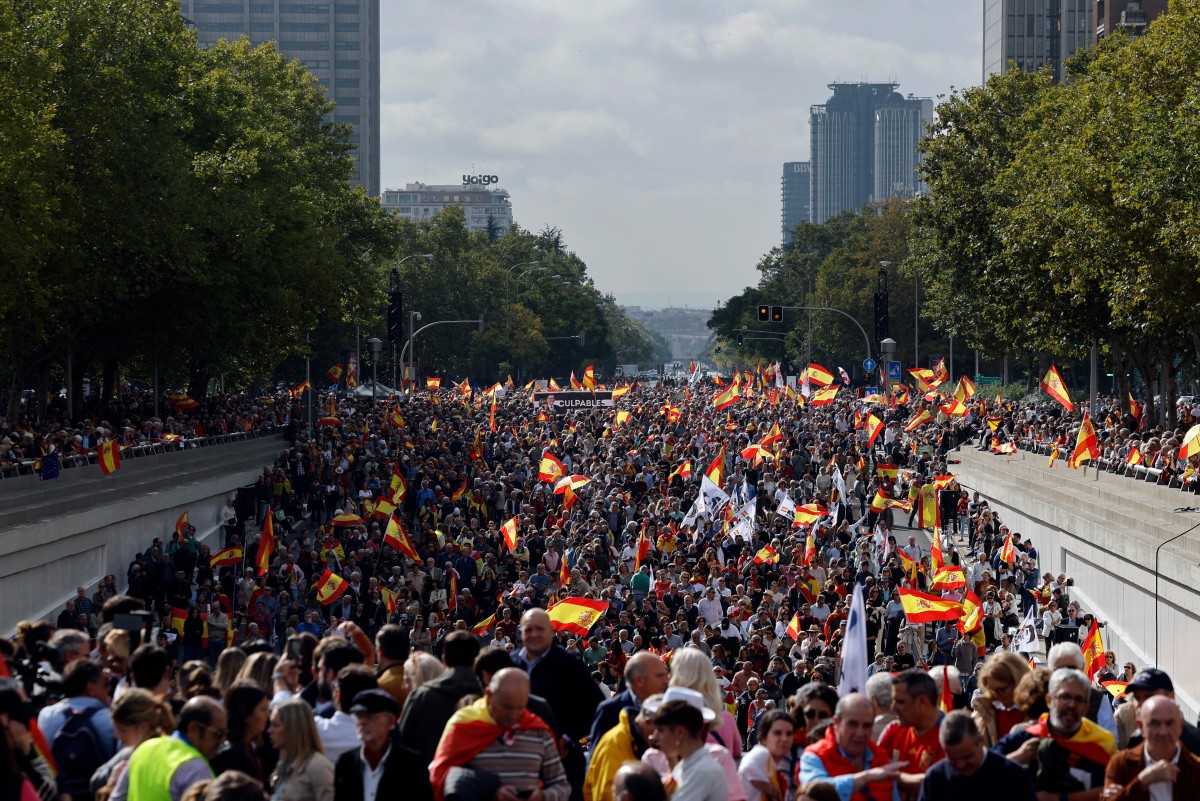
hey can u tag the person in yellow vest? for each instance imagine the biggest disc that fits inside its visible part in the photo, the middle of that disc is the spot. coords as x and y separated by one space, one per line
625 742
163 768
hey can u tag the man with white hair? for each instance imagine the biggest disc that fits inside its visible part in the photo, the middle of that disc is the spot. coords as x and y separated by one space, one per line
1067 753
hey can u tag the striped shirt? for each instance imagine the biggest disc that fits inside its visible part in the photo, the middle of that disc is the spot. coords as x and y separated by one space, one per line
527 760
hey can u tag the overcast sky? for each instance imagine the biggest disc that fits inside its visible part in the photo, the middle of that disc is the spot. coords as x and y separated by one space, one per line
652 132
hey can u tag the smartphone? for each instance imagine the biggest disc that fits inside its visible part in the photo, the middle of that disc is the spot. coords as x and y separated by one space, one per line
524 793
294 648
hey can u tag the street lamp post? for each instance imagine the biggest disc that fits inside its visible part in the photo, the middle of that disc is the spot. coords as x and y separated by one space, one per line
374 347
408 370
508 285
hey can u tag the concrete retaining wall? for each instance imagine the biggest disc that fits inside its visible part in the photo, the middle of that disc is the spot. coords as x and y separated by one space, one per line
1103 530
55 538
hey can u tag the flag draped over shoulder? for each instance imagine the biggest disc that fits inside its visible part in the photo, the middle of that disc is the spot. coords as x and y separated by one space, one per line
1091 741
469 731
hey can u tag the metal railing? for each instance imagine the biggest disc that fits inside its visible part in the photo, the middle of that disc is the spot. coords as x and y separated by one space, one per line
1119 467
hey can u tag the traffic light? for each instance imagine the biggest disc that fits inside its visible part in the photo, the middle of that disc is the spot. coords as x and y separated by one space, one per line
777 314
740 339
395 316
764 315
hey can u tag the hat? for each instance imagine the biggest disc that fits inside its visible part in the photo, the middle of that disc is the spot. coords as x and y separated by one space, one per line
815 629
1151 680
685 694
369 702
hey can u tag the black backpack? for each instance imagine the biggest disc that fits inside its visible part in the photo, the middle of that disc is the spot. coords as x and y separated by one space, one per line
78 750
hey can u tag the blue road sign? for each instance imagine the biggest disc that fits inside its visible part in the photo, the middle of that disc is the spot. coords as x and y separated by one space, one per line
870 390
894 373
869 365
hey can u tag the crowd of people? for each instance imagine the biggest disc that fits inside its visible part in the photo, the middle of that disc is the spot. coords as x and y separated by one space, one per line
133 420
470 594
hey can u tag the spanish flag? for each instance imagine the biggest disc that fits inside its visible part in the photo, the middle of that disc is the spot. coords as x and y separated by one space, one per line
510 530
399 487
948 577
181 401
492 415
928 512
767 555
909 564
943 375
1191 443
809 513
716 469
330 587
469 731
266 545
575 381
181 523
726 397
684 471
228 556
397 537
334 373
923 608
793 628
819 376
575 615
481 628
954 408
921 418
109 456
619 392
301 388
553 386
1135 456
810 548
874 429
390 599
1093 651
461 492
823 397
889 471
965 389
622 417
550 469
433 383
1091 741
589 378
1007 552
1086 446
1055 388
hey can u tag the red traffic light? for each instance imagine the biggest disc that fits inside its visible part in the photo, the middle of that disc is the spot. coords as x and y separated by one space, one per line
777 314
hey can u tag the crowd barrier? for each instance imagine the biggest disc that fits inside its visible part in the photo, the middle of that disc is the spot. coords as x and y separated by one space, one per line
26 467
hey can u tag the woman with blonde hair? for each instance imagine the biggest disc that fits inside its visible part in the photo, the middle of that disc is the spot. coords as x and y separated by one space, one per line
229 665
303 772
692 669
995 710
137 716
260 668
420 668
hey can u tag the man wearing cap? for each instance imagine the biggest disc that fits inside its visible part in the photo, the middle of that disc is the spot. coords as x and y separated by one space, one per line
680 725
498 735
1147 684
381 768
1161 767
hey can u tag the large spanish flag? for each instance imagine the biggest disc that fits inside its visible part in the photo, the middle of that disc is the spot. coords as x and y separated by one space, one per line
684 471
330 587
481 628
1093 651
1191 442
965 389
888 471
923 608
576 615
767 555
433 383
399 487
1007 552
589 377
928 510
266 545
1055 388
619 392
109 456
727 397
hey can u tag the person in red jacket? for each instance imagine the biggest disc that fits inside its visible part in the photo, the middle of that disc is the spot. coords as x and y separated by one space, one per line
846 757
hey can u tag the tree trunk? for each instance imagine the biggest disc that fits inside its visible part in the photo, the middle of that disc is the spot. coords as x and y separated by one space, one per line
109 384
43 392
198 382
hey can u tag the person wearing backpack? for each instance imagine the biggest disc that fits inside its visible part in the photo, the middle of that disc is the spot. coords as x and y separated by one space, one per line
79 729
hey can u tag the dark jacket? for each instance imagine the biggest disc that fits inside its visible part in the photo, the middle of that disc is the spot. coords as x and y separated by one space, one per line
608 714
566 684
404 776
427 709
1124 767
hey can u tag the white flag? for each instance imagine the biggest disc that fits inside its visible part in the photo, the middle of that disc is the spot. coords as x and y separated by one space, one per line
1026 641
854 648
787 507
839 482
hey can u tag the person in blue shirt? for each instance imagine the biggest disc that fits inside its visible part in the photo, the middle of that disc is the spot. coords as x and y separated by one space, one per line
84 687
970 770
